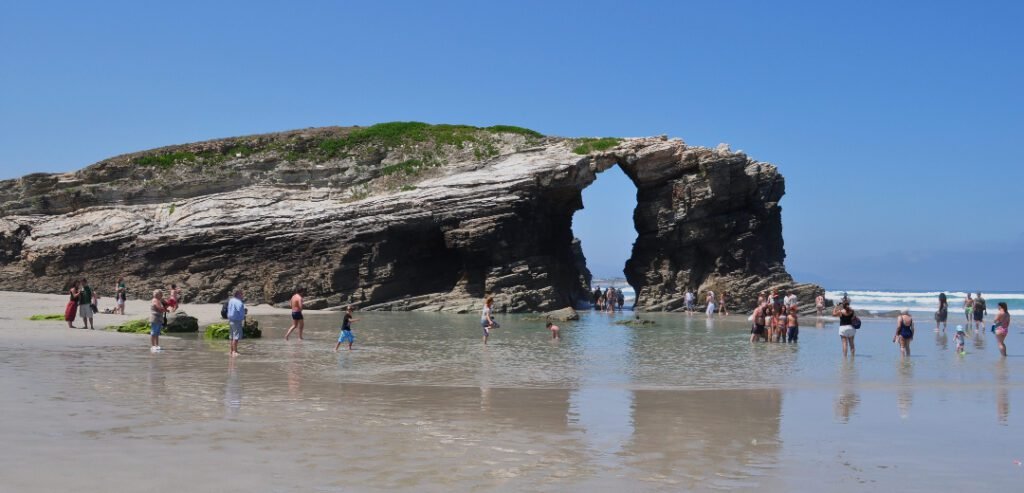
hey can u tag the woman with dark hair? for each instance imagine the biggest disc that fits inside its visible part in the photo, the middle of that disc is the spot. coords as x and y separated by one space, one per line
72 307
943 312
1002 326
980 310
846 330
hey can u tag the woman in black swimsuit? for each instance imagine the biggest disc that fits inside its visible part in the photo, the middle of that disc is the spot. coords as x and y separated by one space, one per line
904 331
943 313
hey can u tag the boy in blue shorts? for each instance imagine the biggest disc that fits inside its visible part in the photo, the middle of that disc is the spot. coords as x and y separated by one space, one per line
346 330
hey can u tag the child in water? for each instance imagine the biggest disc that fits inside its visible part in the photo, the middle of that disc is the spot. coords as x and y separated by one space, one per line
554 331
346 330
959 339
792 324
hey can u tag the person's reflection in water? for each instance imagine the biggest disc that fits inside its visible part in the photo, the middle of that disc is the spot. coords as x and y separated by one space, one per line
1002 392
848 398
905 395
941 341
294 371
155 377
979 338
232 391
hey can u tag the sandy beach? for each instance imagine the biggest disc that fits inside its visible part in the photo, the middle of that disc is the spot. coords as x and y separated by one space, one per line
683 404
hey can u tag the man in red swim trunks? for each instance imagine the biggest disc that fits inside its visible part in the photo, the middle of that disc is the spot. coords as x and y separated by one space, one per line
297 321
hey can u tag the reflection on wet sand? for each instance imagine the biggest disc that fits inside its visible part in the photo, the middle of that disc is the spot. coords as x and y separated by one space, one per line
849 397
1002 392
232 391
905 394
721 438
941 341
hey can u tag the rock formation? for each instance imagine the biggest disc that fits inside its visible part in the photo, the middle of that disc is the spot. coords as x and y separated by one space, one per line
399 216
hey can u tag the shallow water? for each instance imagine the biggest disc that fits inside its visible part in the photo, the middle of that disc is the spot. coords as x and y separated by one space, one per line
422 405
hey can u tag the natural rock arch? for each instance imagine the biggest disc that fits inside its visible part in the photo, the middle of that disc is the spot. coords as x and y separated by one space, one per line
382 226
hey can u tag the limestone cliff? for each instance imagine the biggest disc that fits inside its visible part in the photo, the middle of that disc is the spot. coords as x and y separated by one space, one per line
400 216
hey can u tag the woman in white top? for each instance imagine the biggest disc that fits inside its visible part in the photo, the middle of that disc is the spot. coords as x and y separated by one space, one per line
711 304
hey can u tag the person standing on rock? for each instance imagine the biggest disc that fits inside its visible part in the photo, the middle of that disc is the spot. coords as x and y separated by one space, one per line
297 321
71 309
120 295
236 320
487 318
157 311
85 305
688 299
711 304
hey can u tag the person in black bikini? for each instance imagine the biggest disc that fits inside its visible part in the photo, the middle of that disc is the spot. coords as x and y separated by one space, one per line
904 331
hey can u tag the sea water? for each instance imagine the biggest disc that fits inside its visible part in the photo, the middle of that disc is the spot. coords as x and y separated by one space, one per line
686 403
926 301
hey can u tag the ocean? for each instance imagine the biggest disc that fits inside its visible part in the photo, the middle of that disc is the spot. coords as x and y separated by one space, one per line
925 301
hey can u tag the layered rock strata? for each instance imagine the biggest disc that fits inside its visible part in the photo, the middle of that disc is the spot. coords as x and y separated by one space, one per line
406 217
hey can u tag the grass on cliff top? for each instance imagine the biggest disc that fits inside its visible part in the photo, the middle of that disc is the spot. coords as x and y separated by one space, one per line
588 145
395 134
48 316
172 158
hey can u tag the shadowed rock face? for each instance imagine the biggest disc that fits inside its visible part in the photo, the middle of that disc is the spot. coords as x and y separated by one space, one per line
411 225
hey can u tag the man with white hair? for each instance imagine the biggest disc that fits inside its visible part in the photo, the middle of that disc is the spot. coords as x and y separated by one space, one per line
236 320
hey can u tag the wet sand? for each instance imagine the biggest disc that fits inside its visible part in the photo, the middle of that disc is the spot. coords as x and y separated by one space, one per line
686 404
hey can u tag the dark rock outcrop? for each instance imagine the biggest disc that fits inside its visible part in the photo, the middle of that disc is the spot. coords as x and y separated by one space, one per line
399 217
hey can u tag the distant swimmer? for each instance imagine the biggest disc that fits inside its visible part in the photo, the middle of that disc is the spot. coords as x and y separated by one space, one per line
297 320
555 336
346 330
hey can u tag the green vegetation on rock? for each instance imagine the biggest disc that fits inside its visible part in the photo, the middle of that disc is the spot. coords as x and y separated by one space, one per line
588 145
49 316
132 327
221 330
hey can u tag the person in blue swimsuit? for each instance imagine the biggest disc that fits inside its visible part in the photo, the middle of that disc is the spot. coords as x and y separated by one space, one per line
346 330
904 331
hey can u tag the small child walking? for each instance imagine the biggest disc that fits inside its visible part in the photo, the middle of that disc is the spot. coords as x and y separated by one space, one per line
346 330
959 339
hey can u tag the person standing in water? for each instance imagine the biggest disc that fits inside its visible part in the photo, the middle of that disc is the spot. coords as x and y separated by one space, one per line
759 330
968 309
297 321
555 336
846 330
157 309
1002 325
980 310
904 331
487 318
236 320
959 339
942 313
722 310
346 330
711 304
792 324
688 299
819 305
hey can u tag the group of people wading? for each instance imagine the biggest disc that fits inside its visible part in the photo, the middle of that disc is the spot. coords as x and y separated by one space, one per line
608 300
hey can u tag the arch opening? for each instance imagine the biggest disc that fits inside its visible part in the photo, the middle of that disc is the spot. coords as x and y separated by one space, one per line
607 232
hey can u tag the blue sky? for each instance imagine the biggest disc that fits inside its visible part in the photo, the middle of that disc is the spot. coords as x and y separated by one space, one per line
895 123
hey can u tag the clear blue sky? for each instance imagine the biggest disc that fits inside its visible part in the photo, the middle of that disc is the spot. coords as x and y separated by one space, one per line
895 123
